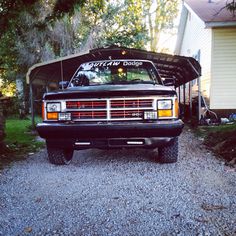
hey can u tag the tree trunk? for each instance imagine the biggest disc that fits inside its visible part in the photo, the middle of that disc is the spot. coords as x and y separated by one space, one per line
20 89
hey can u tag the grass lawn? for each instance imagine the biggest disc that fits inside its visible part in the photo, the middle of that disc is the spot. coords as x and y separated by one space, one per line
220 139
20 140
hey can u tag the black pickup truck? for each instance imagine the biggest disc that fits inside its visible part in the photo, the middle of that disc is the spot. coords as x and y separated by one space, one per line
111 104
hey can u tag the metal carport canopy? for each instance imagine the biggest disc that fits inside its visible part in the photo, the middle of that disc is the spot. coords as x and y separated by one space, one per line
181 69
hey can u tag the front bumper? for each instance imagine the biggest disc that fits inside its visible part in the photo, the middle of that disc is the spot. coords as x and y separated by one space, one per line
110 134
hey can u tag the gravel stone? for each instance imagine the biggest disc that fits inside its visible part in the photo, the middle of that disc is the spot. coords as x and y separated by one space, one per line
120 192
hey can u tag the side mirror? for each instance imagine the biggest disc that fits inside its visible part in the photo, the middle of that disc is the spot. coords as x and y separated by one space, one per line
63 84
168 82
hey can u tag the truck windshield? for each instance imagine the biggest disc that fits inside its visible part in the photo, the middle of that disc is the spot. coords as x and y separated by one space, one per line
115 72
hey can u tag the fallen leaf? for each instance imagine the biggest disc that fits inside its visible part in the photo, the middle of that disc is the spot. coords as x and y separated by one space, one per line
210 207
39 199
175 216
28 229
201 220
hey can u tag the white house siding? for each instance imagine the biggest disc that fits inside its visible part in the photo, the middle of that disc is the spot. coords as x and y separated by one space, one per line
198 39
223 87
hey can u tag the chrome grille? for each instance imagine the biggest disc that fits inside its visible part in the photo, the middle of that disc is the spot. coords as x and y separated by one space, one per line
134 103
86 104
89 115
126 114
109 109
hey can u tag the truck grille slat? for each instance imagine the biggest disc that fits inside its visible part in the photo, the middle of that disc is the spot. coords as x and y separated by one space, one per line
89 115
126 114
109 109
86 104
131 103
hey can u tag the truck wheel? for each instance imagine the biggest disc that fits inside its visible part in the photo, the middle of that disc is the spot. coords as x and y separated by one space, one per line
169 154
59 156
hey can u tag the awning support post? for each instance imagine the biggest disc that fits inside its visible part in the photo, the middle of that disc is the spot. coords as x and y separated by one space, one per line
32 105
62 75
199 90
184 100
199 98
190 100
179 93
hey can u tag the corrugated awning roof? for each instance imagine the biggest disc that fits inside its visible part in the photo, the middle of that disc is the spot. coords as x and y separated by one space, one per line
181 69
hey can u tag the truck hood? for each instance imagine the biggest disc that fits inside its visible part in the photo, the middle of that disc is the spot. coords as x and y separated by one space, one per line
107 91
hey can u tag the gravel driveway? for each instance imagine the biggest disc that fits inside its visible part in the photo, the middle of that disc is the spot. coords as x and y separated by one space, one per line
120 192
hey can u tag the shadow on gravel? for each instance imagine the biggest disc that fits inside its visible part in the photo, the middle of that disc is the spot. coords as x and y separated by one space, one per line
115 155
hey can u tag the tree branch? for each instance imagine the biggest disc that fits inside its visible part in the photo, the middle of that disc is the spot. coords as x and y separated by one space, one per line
230 7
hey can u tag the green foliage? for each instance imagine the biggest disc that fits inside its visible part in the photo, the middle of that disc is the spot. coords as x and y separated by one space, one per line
8 56
119 23
63 7
20 141
17 132
10 10
8 88
35 31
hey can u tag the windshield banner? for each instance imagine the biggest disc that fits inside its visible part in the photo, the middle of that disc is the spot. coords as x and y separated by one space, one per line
88 66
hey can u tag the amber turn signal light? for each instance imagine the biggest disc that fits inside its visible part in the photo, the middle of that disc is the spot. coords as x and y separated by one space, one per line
176 108
164 113
52 116
43 115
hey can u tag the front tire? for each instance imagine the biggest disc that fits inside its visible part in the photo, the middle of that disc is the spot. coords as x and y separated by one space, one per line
59 156
169 154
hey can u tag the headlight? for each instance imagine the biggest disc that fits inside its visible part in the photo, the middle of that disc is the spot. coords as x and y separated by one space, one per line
53 107
164 104
164 108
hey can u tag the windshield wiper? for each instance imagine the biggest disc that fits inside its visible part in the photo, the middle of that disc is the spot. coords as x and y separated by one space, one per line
130 82
118 82
141 82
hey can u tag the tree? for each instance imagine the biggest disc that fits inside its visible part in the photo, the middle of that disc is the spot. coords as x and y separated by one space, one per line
129 28
10 10
160 15
231 7
35 30
43 30
119 23
28 39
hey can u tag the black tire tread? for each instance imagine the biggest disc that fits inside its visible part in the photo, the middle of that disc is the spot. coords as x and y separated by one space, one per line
58 156
169 154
